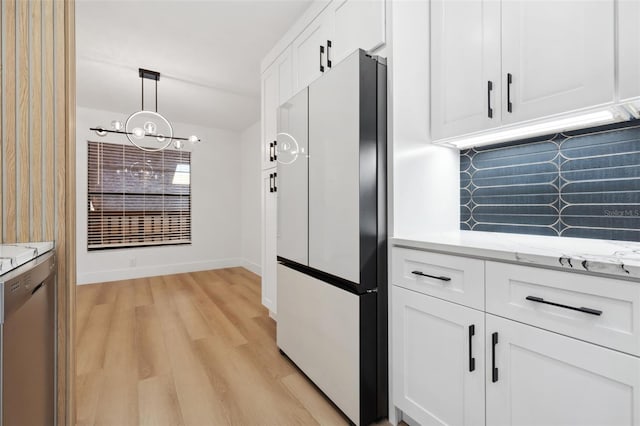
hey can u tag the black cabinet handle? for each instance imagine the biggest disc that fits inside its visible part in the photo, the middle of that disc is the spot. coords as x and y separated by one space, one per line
509 81
270 182
275 182
321 53
472 360
560 305
489 89
275 150
328 50
271 151
494 369
422 274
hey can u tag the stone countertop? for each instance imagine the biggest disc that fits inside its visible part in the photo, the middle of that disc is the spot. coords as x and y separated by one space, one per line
15 255
618 258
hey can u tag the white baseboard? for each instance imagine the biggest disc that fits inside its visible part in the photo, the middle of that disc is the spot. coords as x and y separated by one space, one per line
156 270
253 267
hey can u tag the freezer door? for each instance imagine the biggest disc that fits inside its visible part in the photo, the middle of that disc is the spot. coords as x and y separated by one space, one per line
293 178
342 170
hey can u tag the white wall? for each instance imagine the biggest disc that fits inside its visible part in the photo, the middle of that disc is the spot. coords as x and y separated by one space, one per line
426 185
250 198
215 206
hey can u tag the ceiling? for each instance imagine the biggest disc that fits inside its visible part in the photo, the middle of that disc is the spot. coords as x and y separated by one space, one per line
208 54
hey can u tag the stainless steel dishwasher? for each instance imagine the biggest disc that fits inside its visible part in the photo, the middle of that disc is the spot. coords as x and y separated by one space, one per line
28 328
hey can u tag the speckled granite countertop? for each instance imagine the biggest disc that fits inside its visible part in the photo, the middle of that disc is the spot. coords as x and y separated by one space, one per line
14 255
617 258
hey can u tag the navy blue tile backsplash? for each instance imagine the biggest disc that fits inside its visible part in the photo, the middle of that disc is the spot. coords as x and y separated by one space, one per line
583 183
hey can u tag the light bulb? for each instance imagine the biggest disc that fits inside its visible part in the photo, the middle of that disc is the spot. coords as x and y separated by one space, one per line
117 125
150 127
178 144
101 132
138 133
193 139
160 138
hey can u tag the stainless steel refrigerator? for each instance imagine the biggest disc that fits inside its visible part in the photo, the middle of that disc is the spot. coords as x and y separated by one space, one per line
332 271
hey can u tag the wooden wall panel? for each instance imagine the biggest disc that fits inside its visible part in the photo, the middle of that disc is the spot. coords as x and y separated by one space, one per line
37 152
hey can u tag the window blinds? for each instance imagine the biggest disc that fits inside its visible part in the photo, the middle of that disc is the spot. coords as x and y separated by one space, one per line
137 198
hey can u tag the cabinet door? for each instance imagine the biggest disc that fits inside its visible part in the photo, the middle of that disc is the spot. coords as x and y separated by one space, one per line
559 54
434 381
465 66
545 378
270 102
358 24
629 45
293 179
269 237
308 62
285 75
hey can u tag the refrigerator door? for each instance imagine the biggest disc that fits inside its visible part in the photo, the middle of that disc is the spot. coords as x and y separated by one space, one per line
342 170
293 177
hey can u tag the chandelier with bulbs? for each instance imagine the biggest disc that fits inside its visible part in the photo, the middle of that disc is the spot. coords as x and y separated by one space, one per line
146 125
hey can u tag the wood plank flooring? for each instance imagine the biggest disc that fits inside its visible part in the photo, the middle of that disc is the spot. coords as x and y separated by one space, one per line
187 349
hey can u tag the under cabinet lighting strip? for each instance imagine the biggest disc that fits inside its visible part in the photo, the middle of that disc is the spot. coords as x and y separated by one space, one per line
563 124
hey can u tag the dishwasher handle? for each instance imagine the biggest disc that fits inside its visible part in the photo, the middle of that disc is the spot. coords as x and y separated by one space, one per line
38 287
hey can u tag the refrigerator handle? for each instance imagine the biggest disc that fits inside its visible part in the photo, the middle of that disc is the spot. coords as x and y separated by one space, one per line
328 51
275 182
321 53
270 182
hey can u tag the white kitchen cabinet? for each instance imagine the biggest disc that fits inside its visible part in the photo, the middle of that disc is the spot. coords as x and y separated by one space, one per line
309 50
270 99
277 87
557 56
438 357
505 63
343 27
285 76
465 66
543 378
629 49
357 24
269 238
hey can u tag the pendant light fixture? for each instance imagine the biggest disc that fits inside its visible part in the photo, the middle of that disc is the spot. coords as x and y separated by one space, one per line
147 125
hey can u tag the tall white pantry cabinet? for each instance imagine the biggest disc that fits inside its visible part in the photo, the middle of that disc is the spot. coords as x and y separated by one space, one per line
326 38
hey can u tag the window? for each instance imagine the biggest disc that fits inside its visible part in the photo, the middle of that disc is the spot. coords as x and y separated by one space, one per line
137 198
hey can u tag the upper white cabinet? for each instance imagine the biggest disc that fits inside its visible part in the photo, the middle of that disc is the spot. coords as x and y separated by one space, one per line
357 24
543 378
557 56
497 63
465 66
269 115
344 26
277 87
310 51
629 49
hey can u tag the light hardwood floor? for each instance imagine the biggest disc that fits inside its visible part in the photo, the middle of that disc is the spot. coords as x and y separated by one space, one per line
192 349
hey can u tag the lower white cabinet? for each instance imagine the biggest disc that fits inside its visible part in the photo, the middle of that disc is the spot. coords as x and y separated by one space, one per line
543 378
269 238
438 360
521 375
